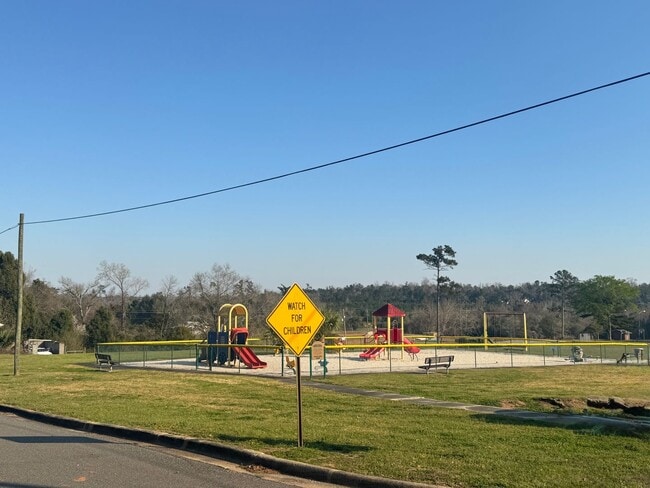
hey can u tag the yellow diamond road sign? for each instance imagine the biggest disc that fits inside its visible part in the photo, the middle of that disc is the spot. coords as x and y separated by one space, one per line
295 319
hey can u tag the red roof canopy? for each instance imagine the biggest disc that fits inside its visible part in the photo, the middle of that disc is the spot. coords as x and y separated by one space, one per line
388 310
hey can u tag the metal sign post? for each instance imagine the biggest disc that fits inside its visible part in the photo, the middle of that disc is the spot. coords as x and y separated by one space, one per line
299 402
296 320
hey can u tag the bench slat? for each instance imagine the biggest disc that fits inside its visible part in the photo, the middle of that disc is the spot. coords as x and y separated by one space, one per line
437 362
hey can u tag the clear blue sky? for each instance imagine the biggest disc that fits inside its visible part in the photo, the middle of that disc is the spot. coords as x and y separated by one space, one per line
110 105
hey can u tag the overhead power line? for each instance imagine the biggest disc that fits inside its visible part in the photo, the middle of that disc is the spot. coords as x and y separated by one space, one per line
344 160
10 228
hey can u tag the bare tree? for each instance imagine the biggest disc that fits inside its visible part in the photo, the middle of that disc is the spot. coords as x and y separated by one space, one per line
84 297
168 292
214 289
119 275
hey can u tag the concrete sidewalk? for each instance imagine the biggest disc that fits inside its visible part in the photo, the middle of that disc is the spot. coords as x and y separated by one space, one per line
522 415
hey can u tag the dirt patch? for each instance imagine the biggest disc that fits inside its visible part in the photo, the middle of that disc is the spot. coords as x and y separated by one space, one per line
569 404
613 406
512 404
635 409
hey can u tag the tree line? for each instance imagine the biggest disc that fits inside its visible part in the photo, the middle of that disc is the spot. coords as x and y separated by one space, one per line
113 306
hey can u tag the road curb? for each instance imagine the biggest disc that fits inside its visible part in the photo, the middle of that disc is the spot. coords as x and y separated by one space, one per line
217 450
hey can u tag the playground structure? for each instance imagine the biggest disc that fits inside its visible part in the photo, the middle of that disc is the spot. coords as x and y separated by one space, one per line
231 332
486 316
228 342
389 335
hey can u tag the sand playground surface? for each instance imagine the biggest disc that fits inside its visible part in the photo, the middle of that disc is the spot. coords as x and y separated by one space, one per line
348 362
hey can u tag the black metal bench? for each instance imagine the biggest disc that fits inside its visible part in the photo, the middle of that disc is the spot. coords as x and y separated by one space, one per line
105 359
434 362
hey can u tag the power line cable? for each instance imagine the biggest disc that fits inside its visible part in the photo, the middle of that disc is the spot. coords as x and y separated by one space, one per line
344 160
10 228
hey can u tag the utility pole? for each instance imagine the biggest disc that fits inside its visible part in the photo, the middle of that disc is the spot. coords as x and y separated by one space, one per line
18 343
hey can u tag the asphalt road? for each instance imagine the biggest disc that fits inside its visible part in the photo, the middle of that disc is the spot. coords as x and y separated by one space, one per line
36 455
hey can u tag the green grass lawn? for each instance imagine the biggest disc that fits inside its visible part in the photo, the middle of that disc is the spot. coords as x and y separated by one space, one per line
359 434
518 387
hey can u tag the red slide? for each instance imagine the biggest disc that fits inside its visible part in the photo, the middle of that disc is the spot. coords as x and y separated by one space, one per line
248 357
370 353
411 349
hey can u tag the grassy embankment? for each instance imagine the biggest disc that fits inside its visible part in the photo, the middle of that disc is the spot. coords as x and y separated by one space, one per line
365 435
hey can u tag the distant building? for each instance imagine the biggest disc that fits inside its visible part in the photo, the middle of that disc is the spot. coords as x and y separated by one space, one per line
621 335
44 346
586 336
